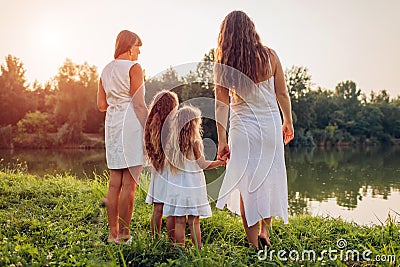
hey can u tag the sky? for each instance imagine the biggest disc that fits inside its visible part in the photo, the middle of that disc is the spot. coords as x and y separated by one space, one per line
339 40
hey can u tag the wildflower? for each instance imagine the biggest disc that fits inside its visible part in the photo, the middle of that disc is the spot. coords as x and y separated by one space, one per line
49 256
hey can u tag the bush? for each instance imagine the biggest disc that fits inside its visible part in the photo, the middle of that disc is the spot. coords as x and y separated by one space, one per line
32 131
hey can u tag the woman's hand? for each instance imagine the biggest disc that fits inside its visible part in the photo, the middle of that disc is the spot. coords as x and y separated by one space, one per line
223 151
220 163
288 132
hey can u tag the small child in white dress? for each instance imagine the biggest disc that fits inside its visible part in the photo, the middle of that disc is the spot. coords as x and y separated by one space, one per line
157 125
186 191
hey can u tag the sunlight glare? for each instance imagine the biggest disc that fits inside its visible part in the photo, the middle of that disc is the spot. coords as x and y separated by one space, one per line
52 39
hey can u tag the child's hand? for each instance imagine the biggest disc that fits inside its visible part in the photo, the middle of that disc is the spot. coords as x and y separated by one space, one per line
221 162
223 158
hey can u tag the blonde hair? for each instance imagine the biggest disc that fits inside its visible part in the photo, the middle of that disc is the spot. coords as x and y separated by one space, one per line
125 40
185 131
240 48
157 126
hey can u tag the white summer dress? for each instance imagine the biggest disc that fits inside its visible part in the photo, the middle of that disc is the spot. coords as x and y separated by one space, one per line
186 193
256 168
158 186
123 131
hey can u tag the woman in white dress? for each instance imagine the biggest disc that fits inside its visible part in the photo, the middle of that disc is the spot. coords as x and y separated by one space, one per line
121 95
250 83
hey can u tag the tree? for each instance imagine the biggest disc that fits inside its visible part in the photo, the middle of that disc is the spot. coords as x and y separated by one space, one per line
324 108
13 91
348 90
368 122
75 97
347 98
168 80
298 82
382 97
205 69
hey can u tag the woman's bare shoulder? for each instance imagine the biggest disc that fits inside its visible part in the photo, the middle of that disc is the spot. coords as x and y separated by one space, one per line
272 54
136 70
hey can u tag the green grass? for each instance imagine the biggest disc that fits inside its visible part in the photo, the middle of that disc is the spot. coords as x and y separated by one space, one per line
58 221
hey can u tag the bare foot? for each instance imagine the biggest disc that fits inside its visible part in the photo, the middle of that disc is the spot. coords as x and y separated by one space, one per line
263 239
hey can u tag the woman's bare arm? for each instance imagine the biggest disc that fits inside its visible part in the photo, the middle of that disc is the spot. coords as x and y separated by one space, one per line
221 117
101 98
283 98
137 92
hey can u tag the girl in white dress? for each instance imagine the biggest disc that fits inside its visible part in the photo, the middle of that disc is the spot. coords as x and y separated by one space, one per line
250 82
157 125
121 95
186 192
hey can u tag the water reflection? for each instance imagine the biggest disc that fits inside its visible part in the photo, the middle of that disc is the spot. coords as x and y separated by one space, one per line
344 177
78 162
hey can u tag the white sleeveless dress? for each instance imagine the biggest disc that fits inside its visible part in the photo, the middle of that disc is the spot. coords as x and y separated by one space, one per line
158 186
187 193
123 131
256 168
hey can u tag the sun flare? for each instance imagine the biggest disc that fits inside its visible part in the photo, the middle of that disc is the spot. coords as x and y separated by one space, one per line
52 39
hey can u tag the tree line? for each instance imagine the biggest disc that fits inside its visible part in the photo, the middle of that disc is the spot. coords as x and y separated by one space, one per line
63 111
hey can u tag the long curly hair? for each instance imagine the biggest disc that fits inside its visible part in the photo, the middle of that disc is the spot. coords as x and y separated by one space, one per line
164 102
240 48
183 135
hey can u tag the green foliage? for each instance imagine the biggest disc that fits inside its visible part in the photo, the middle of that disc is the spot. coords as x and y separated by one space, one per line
341 117
168 80
205 70
14 97
57 220
74 97
298 82
33 131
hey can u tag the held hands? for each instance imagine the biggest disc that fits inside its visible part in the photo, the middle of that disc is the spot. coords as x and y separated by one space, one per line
288 132
220 162
223 153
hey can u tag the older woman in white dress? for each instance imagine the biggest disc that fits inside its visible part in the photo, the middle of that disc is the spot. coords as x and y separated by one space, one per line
250 82
121 95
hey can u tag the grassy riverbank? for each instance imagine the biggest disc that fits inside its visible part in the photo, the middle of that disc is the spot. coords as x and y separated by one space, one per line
58 221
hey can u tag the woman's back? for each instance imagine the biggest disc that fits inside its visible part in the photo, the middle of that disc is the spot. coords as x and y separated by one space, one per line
257 102
116 81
